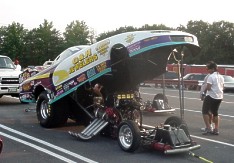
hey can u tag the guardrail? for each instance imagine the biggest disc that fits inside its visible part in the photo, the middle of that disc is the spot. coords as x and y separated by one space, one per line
188 84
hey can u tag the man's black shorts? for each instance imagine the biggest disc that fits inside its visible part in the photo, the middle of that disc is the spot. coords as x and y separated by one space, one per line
211 105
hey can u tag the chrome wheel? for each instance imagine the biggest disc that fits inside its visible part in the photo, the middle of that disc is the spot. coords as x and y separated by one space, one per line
44 110
125 136
129 136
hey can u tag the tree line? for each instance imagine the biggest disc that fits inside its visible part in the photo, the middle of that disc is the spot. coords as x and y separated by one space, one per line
34 47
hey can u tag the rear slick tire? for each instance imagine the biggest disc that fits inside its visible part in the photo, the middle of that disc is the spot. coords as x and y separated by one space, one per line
51 115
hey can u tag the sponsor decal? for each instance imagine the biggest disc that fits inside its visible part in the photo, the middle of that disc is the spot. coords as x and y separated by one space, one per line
26 87
102 48
101 67
62 88
134 47
82 60
81 78
130 38
26 74
78 62
91 72
66 87
61 74
59 89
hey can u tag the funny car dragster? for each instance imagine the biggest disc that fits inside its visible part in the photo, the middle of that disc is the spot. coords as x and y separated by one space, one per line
116 65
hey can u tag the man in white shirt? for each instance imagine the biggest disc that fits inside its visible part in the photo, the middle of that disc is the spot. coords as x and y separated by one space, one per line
213 99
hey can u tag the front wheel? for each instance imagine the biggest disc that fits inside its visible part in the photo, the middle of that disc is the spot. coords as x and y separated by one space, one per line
129 136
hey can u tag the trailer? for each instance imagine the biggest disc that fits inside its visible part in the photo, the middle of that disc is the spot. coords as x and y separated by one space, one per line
193 68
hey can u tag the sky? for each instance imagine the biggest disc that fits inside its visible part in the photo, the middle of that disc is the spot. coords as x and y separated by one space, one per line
107 15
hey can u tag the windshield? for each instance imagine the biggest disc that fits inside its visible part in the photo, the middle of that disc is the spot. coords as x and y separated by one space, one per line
67 53
6 63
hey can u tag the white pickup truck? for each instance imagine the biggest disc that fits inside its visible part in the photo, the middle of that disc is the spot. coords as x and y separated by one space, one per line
9 77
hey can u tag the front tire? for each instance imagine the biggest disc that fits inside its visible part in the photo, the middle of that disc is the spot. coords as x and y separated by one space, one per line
129 136
51 115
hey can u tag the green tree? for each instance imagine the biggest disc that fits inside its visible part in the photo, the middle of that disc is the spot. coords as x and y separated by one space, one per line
33 47
12 40
117 31
154 27
216 41
76 33
201 30
222 42
45 43
131 28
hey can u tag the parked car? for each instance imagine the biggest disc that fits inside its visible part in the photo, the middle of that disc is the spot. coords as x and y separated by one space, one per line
9 77
228 83
199 77
166 75
195 76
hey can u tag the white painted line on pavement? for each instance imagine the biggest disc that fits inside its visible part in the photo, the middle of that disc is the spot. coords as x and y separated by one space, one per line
48 144
38 148
223 115
215 141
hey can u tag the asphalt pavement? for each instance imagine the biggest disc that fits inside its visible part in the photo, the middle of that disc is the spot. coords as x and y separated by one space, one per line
26 141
